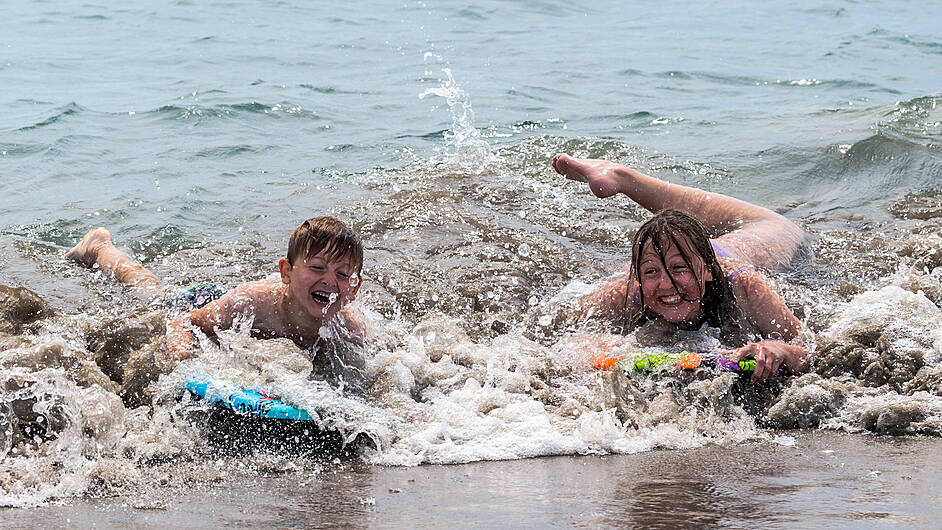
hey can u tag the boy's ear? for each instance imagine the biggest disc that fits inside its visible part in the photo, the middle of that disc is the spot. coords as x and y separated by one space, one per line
284 268
353 292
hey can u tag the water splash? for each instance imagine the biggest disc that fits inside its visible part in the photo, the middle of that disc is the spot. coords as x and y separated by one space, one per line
464 146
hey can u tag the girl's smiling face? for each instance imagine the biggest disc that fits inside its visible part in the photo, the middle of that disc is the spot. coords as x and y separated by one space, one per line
680 300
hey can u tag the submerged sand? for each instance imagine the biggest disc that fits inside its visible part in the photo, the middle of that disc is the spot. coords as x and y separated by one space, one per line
810 479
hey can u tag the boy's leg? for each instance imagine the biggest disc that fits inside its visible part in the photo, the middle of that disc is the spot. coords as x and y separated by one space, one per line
745 231
97 248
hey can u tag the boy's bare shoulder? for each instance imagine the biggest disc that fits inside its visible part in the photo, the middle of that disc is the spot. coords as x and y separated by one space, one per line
256 299
257 294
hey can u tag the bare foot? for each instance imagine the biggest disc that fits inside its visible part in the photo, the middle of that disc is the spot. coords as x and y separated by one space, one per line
604 178
86 252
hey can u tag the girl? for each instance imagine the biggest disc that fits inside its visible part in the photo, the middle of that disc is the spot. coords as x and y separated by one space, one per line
680 275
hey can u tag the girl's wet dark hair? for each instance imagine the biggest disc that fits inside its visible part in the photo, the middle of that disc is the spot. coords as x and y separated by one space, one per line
678 229
328 234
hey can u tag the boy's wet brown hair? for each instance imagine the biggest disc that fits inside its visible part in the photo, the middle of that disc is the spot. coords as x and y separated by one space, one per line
329 234
674 227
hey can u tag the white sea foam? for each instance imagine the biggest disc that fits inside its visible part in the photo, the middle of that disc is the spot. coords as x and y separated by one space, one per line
436 396
910 321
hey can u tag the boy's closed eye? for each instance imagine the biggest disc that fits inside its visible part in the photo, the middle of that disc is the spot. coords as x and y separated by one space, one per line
316 267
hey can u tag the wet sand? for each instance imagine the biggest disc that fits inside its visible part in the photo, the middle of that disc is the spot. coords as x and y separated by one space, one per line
825 479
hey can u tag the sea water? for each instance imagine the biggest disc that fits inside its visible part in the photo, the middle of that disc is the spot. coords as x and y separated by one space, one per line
201 133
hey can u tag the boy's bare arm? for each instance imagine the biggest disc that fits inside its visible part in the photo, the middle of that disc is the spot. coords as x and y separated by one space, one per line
218 314
180 339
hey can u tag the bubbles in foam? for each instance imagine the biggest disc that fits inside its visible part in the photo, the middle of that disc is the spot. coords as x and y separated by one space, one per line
910 321
7 420
509 397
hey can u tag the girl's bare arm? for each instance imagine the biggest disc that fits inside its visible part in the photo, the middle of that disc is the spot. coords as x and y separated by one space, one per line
617 298
764 308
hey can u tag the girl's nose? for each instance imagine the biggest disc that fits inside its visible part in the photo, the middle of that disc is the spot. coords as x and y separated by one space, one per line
664 282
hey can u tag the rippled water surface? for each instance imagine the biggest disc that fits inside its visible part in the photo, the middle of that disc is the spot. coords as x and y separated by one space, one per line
816 479
201 133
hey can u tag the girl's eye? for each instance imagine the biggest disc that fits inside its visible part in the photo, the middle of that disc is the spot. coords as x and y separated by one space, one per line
649 272
680 268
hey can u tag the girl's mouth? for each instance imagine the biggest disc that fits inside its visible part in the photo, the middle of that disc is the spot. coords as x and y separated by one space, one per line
670 300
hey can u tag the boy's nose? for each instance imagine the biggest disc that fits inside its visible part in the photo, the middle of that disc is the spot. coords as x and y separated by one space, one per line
332 280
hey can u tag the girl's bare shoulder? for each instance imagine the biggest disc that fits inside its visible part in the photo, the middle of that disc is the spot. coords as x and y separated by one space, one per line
731 265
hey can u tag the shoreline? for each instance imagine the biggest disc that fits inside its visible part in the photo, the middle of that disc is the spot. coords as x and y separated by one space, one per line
825 479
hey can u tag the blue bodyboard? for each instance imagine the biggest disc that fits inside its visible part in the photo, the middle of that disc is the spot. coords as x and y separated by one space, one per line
244 401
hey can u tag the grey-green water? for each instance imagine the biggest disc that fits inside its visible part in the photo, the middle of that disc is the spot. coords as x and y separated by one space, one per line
202 133
824 480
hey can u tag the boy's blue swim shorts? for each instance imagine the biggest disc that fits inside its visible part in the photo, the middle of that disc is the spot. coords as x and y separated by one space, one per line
194 296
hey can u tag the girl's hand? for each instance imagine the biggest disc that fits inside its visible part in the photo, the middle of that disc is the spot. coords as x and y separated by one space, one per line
770 355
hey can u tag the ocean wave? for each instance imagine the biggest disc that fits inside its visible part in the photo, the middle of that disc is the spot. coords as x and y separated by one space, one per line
918 120
147 244
59 114
900 153
473 279
230 151
911 137
235 111
474 13
538 93
330 90
749 81
16 150
705 171
62 232
924 45
86 395
927 46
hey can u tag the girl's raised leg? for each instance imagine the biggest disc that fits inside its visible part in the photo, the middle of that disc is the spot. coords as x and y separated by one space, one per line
743 230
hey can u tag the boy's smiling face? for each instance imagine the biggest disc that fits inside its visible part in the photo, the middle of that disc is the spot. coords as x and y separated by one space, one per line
321 284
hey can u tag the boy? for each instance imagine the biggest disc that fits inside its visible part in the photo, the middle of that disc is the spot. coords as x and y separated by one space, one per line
319 276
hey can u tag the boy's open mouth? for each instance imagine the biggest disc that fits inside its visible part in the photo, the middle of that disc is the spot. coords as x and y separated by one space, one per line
323 298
